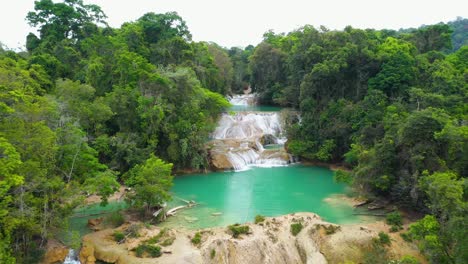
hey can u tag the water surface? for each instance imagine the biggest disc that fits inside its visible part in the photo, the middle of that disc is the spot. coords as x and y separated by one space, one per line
236 197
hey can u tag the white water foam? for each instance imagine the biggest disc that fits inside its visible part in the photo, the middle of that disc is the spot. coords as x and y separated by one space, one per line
72 258
242 99
248 128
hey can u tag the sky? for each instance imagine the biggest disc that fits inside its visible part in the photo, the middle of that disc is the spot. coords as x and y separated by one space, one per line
243 22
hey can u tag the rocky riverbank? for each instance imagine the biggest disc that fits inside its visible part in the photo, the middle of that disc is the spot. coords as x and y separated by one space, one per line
270 241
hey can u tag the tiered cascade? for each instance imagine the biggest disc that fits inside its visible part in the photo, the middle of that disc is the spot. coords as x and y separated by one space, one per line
239 140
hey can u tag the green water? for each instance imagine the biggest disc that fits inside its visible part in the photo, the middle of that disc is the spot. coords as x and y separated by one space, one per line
239 196
79 220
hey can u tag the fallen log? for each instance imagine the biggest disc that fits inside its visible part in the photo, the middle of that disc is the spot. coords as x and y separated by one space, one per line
172 211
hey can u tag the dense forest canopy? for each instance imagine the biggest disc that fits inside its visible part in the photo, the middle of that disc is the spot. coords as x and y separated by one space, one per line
88 107
391 105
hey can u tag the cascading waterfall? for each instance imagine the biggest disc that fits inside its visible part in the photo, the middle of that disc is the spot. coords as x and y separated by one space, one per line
244 99
247 133
72 258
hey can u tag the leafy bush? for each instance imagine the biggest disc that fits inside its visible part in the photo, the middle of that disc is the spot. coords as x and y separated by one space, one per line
384 239
342 176
133 230
168 241
238 229
212 253
406 237
157 238
408 260
331 229
152 251
394 229
376 253
394 218
259 219
115 219
118 236
296 228
196 239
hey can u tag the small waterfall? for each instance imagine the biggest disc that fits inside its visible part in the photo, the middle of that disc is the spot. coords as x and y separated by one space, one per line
242 136
242 99
72 258
248 125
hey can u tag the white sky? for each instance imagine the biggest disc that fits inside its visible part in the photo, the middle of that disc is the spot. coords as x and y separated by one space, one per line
243 22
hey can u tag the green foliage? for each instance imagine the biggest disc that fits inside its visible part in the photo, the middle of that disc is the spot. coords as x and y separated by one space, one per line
115 219
151 182
133 230
196 239
143 250
331 229
259 219
342 176
157 238
296 228
395 220
408 260
237 229
118 236
376 253
384 239
168 241
406 237
212 253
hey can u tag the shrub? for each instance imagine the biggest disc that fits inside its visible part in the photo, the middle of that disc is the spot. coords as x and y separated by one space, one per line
331 229
118 236
394 219
152 251
115 219
168 241
212 253
157 237
406 237
376 253
259 219
408 260
342 176
237 230
394 229
296 228
196 239
133 230
384 239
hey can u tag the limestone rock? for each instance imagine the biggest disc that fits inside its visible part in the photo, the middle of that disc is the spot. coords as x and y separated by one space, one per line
268 139
55 254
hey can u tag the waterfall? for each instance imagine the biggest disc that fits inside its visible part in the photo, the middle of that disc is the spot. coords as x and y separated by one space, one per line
72 258
241 137
248 125
242 99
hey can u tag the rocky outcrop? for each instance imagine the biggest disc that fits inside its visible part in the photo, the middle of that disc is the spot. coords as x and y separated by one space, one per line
268 242
268 139
55 254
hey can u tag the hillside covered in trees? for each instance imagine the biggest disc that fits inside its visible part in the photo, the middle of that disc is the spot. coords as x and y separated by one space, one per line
88 107
390 105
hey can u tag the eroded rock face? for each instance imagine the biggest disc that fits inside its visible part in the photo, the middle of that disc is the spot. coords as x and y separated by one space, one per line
87 254
269 242
55 254
268 139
